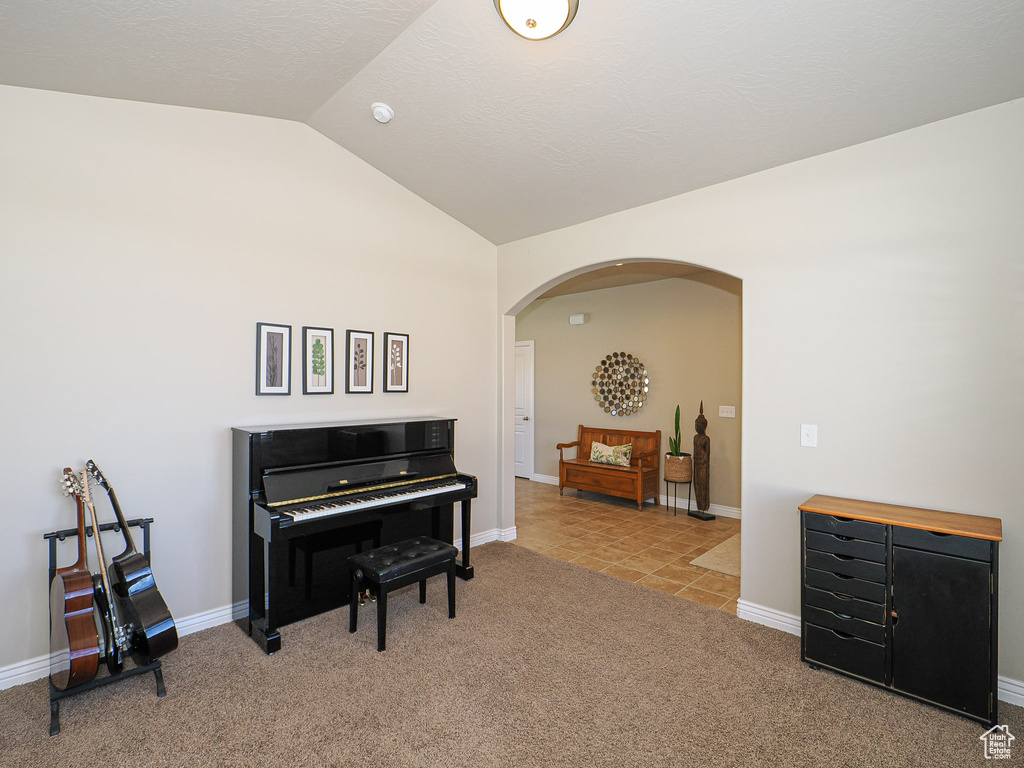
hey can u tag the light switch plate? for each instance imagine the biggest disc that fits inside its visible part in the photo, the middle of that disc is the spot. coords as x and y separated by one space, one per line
727 411
809 435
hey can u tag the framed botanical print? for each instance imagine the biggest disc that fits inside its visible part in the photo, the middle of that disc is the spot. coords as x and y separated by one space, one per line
317 361
359 361
273 359
396 365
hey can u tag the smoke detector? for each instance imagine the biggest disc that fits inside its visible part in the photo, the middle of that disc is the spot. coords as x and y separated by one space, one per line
382 113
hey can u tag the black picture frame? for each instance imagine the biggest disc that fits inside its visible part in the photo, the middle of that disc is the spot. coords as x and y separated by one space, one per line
273 359
317 360
396 362
358 362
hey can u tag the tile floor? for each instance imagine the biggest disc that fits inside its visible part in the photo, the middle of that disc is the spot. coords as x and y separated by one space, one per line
610 535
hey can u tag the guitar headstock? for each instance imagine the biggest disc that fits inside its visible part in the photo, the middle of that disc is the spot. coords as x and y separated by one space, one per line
93 470
71 484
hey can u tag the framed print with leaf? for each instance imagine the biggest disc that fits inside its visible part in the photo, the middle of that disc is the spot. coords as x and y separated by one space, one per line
273 359
359 361
317 361
396 367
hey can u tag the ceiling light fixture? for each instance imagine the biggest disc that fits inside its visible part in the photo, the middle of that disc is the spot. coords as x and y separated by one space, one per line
537 19
382 113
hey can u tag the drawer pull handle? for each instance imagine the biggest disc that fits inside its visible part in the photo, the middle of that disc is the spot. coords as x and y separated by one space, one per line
842 538
841 519
842 576
841 635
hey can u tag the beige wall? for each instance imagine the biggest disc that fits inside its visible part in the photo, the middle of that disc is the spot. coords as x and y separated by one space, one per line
687 334
139 246
882 291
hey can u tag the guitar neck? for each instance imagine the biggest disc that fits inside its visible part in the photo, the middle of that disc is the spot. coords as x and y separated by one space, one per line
129 543
82 563
96 536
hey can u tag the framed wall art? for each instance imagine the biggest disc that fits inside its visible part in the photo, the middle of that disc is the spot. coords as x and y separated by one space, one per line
273 359
396 365
359 361
317 361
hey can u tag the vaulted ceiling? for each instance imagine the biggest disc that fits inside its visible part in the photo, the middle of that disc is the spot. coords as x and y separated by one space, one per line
633 103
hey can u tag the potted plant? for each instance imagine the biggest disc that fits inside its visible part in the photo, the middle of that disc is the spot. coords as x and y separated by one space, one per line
678 465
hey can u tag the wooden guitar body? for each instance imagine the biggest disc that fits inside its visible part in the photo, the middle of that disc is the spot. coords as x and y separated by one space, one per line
74 642
142 606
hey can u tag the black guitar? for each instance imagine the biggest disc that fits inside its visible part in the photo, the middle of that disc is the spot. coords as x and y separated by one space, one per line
114 639
152 632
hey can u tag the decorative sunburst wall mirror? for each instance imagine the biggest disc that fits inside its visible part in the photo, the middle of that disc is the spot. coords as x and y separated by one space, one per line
621 384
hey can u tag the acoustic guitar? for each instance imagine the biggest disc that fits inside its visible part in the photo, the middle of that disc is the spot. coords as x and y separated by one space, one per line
152 631
114 636
74 641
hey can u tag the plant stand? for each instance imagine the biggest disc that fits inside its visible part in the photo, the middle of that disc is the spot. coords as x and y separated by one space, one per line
154 666
675 491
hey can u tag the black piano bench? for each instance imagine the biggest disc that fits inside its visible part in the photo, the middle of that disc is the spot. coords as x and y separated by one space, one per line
398 565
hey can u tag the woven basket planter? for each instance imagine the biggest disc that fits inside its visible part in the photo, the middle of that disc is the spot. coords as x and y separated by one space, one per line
679 469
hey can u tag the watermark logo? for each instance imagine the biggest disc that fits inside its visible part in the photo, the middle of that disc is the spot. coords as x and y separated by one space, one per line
997 742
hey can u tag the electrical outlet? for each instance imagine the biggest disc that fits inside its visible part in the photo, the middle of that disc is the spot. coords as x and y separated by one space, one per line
727 411
809 435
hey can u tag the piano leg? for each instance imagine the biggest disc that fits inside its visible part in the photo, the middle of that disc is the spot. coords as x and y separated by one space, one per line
462 566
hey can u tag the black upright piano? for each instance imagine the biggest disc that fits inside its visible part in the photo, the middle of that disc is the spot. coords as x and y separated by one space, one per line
306 497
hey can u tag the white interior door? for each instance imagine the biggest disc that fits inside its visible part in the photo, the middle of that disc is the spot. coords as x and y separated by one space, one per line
524 409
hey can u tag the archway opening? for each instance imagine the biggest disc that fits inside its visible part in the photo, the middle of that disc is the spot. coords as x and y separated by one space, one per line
684 323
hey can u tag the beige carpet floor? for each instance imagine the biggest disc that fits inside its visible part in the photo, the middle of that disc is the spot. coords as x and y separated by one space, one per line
725 558
547 664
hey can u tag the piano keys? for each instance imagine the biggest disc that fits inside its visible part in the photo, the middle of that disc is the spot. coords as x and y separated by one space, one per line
316 494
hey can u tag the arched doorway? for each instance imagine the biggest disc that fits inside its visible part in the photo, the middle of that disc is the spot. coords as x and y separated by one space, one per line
684 322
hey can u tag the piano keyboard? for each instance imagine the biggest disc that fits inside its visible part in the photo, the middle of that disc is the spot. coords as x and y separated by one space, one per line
313 511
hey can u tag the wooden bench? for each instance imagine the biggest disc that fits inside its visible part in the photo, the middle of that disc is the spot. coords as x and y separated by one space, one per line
639 481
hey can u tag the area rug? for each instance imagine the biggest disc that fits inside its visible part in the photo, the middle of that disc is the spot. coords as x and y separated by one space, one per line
725 558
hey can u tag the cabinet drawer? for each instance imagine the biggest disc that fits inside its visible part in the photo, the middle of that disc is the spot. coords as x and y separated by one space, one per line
845 585
840 545
865 630
841 604
943 543
846 653
847 566
855 529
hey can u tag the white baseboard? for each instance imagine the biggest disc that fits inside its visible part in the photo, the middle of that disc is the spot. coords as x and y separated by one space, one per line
715 509
1010 690
34 669
770 617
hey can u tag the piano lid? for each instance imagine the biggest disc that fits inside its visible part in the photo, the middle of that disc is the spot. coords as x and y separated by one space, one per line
288 447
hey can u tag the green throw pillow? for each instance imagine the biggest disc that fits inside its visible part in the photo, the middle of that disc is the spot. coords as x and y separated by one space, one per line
611 454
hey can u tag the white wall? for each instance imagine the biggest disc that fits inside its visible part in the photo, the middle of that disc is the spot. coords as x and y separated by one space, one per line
139 246
883 300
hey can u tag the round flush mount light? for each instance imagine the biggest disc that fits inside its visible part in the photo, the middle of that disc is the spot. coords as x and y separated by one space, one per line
382 113
537 19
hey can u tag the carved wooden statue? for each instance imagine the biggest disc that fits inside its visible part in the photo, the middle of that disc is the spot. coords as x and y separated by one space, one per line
702 467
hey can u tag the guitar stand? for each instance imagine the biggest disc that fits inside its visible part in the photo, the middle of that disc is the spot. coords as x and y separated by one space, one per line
97 682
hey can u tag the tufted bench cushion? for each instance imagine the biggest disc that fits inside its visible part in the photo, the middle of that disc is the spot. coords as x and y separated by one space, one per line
396 565
395 560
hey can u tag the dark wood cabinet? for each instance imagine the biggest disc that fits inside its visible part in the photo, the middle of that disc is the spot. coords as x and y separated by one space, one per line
903 598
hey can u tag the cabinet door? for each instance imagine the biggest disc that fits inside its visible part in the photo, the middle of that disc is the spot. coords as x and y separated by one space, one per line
941 641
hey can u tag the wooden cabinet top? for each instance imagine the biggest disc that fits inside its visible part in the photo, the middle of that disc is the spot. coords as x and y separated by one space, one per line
975 526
